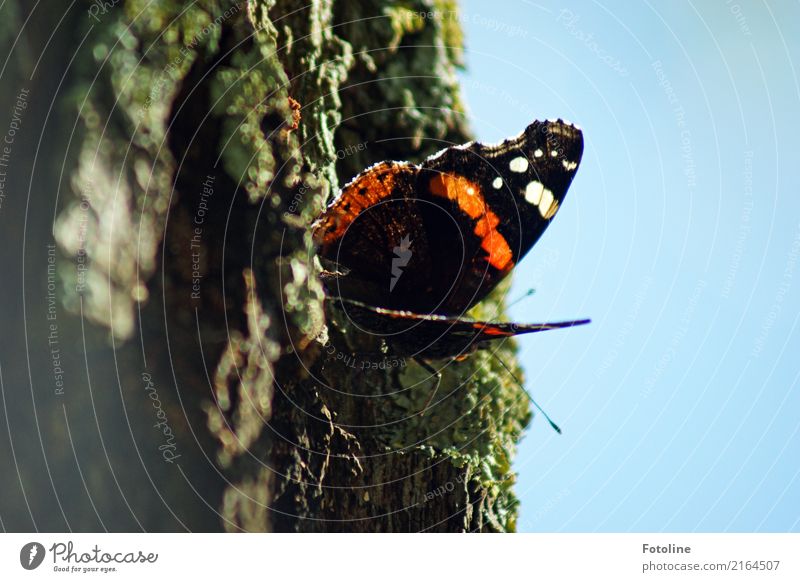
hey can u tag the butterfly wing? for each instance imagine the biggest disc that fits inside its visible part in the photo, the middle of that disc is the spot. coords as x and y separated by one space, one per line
437 238
368 231
503 202
437 336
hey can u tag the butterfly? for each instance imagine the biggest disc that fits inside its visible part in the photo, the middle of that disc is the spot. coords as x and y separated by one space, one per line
408 249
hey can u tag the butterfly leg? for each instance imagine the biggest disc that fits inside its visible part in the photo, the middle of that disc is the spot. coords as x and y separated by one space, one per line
436 374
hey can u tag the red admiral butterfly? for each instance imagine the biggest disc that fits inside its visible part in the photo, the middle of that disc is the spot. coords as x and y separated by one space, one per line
409 248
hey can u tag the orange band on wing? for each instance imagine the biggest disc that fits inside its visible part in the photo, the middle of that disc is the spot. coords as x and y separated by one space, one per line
366 190
488 329
470 200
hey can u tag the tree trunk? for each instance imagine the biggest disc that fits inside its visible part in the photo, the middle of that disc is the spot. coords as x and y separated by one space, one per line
209 385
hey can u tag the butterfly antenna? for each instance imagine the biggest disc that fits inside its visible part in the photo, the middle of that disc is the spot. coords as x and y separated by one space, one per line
438 380
554 426
525 295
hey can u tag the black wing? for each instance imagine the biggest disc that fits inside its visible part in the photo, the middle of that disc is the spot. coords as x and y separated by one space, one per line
437 238
503 202
437 336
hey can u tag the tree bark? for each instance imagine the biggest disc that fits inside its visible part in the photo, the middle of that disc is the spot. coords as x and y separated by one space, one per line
208 135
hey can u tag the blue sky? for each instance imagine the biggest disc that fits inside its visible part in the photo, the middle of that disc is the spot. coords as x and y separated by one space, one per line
680 238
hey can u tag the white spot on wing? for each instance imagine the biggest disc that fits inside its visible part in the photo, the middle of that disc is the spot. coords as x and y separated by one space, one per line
553 209
533 192
497 183
569 166
545 203
518 164
553 153
538 153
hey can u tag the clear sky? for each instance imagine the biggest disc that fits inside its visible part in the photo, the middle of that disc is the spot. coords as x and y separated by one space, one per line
680 238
